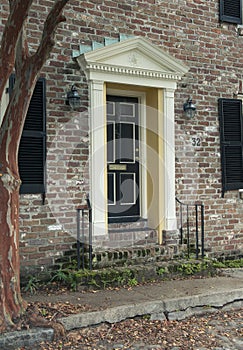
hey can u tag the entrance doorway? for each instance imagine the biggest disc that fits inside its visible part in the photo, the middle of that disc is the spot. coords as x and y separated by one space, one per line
123 159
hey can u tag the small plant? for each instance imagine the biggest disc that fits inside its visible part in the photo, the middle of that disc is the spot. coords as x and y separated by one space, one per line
67 277
162 271
132 282
228 263
43 312
146 317
235 263
32 285
218 264
191 268
108 282
60 275
92 282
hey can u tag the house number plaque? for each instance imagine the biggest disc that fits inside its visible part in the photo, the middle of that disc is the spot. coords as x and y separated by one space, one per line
196 141
119 167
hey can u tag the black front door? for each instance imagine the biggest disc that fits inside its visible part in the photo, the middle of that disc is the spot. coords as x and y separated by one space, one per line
122 158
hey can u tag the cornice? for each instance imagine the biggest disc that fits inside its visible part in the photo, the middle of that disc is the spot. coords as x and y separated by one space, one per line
105 68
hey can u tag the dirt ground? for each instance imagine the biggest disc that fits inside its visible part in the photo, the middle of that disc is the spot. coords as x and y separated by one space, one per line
221 331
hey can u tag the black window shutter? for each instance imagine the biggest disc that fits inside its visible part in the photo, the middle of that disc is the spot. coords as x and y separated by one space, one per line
32 148
231 137
230 11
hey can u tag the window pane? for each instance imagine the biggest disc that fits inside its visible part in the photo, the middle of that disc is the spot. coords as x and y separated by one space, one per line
127 109
110 142
110 108
127 142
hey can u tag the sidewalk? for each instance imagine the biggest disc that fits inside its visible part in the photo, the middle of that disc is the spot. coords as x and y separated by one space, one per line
171 300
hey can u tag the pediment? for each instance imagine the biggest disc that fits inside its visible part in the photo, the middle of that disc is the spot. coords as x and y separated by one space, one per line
135 56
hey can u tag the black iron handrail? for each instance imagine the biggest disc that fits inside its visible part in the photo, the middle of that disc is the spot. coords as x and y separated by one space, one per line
81 235
199 214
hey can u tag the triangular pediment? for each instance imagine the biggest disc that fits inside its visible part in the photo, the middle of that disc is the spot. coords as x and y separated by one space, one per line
136 55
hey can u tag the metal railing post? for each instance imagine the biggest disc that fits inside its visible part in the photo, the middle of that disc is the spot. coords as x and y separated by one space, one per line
202 229
81 239
181 228
197 221
197 246
188 230
90 239
90 232
78 238
83 212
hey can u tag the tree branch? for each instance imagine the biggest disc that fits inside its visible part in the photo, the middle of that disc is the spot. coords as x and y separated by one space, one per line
18 13
47 41
22 50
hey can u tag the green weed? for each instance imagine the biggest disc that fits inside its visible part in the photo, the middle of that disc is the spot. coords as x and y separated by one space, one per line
32 285
132 282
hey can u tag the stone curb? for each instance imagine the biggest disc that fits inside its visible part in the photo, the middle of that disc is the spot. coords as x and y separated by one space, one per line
170 309
30 337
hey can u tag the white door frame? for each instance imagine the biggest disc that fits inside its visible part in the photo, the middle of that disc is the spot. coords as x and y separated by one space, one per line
139 63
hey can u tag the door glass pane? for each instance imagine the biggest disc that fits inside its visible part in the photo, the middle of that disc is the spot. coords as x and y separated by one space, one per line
127 142
110 142
110 108
127 187
127 109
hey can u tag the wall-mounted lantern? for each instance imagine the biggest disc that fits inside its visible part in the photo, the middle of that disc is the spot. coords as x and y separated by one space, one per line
73 98
241 194
189 109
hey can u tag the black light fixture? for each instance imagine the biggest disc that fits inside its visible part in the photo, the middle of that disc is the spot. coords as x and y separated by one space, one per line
73 98
189 108
241 194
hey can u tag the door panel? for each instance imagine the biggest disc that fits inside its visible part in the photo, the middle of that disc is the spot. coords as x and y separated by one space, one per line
111 189
122 155
128 188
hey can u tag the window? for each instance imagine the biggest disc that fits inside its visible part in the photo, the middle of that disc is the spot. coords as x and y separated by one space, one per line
231 11
32 149
231 137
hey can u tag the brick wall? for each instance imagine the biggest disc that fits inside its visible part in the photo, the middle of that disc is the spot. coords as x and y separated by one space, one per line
190 31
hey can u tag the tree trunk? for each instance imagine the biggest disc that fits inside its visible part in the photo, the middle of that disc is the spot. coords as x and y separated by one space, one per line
12 304
14 52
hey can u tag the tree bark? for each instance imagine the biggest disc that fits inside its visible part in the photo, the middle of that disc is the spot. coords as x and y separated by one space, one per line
18 13
11 302
27 69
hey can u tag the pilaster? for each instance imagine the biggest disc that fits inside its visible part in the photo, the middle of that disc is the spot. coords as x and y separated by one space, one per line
98 157
169 160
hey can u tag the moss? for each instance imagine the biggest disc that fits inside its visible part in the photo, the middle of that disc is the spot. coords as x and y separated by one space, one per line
162 271
131 276
238 263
